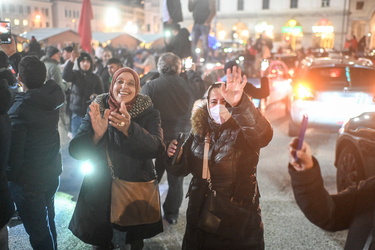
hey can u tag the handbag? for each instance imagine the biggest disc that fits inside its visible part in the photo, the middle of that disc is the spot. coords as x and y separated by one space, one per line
222 215
134 203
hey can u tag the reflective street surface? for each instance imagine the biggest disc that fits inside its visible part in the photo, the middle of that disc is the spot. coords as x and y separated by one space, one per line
285 225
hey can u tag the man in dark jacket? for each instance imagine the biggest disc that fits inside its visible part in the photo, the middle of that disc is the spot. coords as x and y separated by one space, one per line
352 209
85 86
34 162
179 43
171 95
6 204
171 15
203 13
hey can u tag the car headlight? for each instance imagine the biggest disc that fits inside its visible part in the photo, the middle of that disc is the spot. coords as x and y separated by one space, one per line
303 91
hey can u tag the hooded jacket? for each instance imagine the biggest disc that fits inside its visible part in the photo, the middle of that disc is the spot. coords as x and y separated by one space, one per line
54 72
84 84
233 158
35 149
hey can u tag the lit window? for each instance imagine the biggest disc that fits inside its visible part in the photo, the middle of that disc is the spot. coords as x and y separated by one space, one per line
325 3
16 22
266 4
359 5
25 22
293 4
240 5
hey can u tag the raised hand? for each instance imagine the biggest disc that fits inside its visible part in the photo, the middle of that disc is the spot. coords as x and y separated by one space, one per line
304 155
121 121
232 91
99 124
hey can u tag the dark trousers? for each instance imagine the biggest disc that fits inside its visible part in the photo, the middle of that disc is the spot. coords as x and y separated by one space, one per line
173 201
36 207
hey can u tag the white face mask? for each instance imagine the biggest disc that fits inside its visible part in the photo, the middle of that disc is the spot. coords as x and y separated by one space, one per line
220 114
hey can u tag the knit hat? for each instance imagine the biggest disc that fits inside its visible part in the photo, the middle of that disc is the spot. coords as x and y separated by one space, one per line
4 60
50 51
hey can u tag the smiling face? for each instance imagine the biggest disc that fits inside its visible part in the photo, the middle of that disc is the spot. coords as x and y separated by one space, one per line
124 88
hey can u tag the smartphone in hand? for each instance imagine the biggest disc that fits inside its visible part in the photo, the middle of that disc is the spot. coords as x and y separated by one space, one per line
180 140
5 32
301 134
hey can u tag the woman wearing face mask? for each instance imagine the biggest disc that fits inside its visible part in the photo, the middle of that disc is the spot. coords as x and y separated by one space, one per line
234 131
124 125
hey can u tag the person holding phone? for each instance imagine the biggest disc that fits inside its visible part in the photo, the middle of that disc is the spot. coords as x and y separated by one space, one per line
235 131
352 209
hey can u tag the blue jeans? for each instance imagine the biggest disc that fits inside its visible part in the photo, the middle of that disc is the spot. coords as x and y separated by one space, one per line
200 30
75 123
36 207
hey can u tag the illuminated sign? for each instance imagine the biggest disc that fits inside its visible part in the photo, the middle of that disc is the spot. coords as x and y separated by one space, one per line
294 30
323 29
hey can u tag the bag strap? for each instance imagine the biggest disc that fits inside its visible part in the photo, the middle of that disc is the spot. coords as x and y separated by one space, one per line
206 175
206 171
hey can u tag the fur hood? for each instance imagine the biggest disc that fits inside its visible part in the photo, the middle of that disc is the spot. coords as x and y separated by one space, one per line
200 120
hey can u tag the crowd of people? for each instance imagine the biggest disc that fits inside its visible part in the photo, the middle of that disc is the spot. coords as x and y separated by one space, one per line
96 103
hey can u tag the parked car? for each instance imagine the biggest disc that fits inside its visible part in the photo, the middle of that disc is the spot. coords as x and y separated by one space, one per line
330 91
279 81
355 147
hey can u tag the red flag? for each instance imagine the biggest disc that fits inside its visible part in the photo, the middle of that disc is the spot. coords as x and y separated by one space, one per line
84 28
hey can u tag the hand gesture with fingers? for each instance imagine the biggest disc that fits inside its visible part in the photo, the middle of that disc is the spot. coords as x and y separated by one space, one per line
232 91
121 121
99 124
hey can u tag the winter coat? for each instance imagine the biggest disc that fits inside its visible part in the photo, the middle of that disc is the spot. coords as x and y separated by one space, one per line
54 72
6 204
353 208
84 84
172 96
234 147
35 149
131 157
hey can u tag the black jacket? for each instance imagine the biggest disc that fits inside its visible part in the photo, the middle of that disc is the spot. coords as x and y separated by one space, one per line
132 160
353 208
172 96
84 84
234 146
35 149
6 204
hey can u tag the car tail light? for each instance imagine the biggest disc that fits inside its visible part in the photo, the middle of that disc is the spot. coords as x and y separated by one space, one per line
303 91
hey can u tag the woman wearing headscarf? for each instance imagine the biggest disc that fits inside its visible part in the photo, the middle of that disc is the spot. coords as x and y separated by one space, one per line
124 124
222 153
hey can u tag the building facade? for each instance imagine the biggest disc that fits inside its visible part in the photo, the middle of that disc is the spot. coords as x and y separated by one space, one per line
109 16
295 23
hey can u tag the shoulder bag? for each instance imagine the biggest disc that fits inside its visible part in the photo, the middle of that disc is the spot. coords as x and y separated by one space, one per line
223 216
134 203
